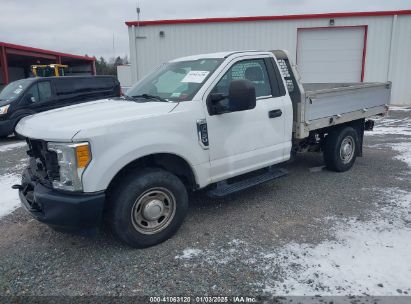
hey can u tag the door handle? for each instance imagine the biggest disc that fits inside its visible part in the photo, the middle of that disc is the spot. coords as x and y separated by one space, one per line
275 113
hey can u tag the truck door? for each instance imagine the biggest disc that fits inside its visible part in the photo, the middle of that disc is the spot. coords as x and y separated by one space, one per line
244 141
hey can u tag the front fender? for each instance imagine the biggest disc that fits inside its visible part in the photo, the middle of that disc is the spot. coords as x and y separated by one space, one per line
109 158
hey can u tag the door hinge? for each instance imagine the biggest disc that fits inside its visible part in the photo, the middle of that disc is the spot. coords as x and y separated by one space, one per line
202 132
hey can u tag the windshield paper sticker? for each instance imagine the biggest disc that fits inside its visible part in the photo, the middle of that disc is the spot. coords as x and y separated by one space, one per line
195 76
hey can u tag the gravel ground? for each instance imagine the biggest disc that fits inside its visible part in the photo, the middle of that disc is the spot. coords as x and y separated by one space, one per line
219 249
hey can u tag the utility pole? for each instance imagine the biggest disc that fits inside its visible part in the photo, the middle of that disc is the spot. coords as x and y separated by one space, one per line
114 49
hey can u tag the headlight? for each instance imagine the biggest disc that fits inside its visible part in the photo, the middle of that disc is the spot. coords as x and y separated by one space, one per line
4 109
73 160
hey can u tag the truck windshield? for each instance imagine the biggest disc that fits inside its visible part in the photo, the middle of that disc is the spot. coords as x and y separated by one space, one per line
175 81
13 90
45 71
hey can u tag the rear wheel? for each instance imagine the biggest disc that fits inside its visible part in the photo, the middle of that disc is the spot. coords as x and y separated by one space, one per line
148 208
340 149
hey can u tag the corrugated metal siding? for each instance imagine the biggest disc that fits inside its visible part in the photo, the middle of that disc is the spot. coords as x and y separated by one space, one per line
400 73
187 39
378 46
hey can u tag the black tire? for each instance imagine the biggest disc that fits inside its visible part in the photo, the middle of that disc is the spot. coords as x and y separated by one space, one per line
131 199
337 158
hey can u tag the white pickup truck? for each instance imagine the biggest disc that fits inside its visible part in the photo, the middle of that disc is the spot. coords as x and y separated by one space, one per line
220 122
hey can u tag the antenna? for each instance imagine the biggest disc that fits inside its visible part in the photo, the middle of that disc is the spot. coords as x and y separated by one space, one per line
138 10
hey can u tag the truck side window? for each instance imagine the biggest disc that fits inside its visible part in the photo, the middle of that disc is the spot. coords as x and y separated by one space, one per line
253 70
33 93
64 86
44 90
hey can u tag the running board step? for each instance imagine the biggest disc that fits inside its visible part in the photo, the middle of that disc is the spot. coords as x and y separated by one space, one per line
223 188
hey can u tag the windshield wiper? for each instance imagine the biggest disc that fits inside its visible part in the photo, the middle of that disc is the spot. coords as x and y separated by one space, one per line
126 97
149 96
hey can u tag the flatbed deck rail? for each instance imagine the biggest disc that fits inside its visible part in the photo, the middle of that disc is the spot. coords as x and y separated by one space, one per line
327 106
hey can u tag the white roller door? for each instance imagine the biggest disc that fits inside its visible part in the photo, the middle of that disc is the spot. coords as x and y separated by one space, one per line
330 54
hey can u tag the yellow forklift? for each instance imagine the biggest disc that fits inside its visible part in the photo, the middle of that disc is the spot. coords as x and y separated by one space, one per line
49 70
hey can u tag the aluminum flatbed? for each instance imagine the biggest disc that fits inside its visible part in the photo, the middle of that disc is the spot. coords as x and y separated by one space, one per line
321 105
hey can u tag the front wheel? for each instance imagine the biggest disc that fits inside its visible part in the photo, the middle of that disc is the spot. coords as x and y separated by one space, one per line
147 208
340 149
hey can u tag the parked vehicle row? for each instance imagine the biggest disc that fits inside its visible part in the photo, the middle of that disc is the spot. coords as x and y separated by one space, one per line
34 95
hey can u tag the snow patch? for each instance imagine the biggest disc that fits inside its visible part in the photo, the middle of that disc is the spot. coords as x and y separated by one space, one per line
404 149
189 253
391 131
399 108
20 165
9 147
9 198
367 258
392 127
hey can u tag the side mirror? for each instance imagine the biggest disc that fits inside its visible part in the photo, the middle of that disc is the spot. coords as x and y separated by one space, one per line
241 95
216 97
217 104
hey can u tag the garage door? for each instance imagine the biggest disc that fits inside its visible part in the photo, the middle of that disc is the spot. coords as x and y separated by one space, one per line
330 54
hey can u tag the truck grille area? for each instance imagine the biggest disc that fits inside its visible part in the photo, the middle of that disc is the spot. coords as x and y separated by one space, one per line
43 165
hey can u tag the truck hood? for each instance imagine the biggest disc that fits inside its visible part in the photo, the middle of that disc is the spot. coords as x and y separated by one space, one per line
64 123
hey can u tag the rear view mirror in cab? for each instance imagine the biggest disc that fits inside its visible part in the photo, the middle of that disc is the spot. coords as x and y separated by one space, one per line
29 98
241 97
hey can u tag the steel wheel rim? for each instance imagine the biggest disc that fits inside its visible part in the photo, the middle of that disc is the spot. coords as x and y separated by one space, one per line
153 211
347 149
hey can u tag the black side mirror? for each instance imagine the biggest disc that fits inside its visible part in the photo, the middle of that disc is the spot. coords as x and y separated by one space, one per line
215 103
241 95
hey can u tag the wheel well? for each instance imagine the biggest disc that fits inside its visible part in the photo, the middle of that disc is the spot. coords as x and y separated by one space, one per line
169 162
316 139
358 126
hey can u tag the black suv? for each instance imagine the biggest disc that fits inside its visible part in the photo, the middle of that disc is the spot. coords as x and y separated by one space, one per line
33 95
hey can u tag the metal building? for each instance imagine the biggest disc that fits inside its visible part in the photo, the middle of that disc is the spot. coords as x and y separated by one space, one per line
15 62
332 47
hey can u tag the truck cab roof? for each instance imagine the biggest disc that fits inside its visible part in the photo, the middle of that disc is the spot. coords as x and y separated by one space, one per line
222 55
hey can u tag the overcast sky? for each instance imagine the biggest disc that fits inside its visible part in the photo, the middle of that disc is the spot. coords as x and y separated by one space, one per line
87 26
